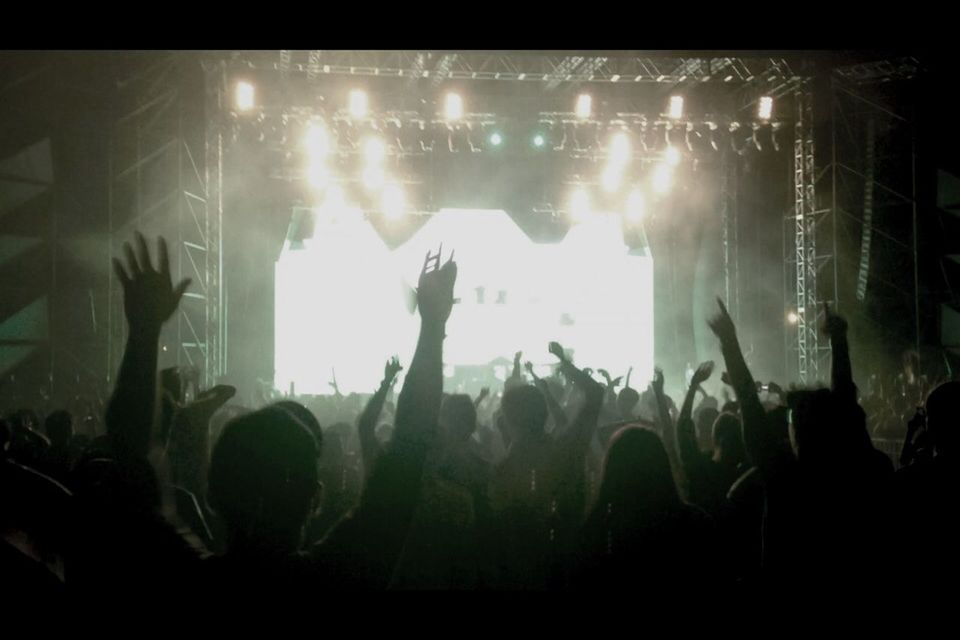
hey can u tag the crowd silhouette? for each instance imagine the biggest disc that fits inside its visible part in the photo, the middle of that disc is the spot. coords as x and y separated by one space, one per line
559 483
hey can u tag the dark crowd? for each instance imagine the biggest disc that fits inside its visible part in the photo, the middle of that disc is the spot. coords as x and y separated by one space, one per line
572 482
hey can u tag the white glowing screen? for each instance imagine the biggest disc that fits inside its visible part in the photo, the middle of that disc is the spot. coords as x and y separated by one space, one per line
341 304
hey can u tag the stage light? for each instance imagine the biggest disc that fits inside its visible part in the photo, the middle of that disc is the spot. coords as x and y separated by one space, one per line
374 151
317 142
392 201
358 103
244 96
579 204
611 178
374 178
453 107
672 156
620 148
635 206
676 107
584 102
335 201
662 178
539 140
765 108
318 176
792 317
496 139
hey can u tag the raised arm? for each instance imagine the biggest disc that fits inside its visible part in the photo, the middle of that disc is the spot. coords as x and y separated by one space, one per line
149 299
581 429
484 393
757 439
367 422
557 413
690 453
190 439
362 550
841 371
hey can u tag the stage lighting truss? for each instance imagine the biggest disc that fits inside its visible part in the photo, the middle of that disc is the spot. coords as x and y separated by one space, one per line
411 133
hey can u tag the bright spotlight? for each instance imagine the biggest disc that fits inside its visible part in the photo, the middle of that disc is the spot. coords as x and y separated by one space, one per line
539 140
374 178
317 142
765 108
611 178
662 178
496 139
792 317
392 201
635 206
620 149
335 201
579 204
584 102
672 156
318 176
374 151
244 96
453 107
358 103
676 107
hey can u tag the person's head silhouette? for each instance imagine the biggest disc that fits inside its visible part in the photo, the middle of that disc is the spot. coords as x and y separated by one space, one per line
525 411
636 473
458 417
263 480
728 439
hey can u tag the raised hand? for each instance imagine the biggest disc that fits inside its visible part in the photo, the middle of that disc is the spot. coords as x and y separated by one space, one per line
833 324
435 289
149 297
702 374
333 383
206 404
725 379
516 358
529 367
391 369
557 350
657 382
484 394
722 325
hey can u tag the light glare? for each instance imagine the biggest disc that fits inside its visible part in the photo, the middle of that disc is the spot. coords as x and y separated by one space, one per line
635 206
317 142
662 179
393 201
374 151
672 156
579 204
358 103
453 107
244 96
620 148
676 107
765 108
584 103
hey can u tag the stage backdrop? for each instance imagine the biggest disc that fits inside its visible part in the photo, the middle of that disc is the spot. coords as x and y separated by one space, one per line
343 299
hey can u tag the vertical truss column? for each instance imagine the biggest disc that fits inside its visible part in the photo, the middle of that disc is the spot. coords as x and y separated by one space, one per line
200 321
728 221
810 216
216 83
806 259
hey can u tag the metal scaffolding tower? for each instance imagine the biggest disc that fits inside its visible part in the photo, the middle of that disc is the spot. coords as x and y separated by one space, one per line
166 176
